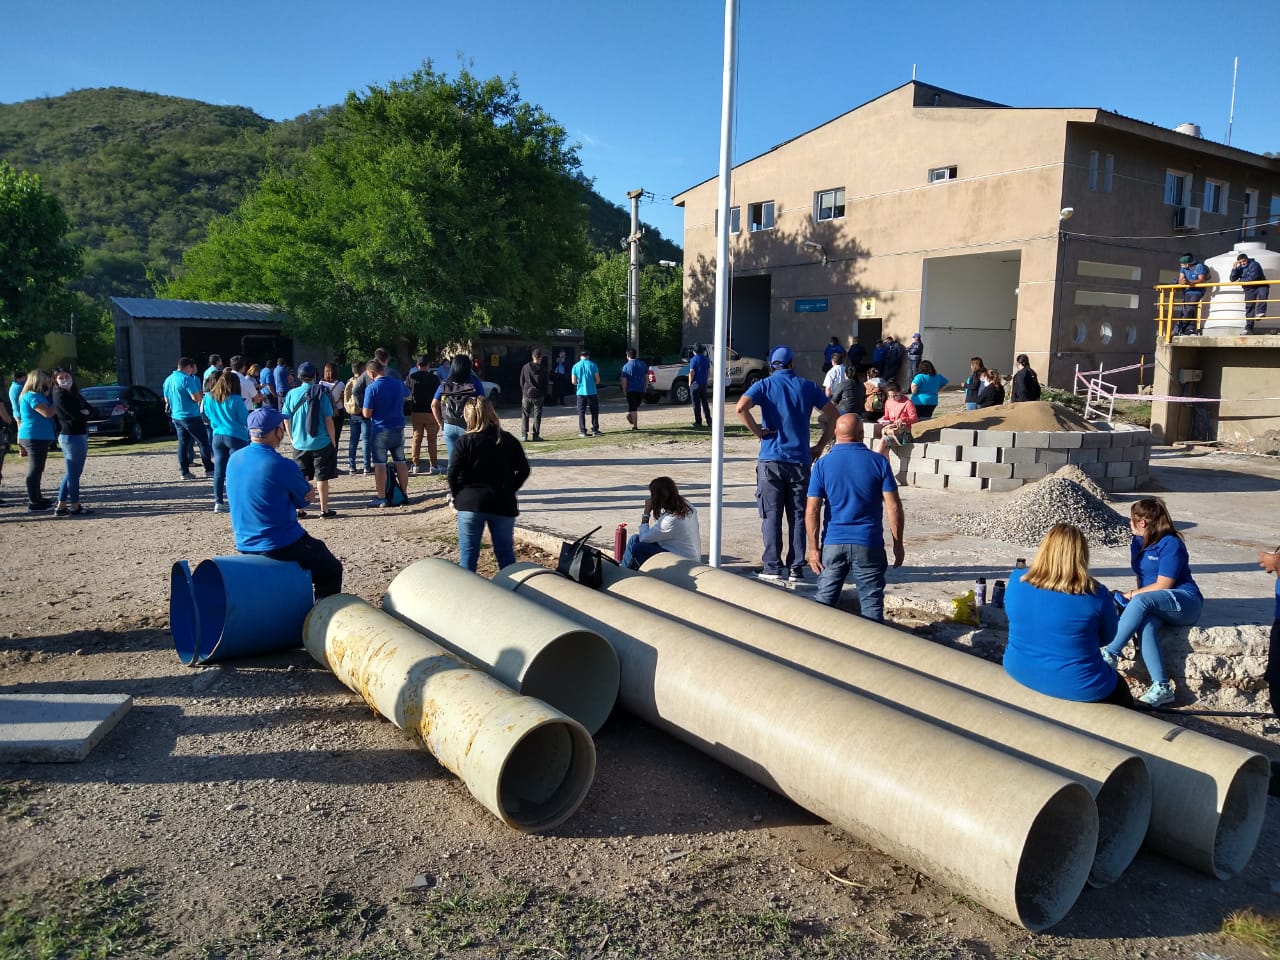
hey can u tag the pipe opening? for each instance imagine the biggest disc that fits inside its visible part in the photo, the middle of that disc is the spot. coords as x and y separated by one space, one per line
1240 822
546 776
1124 813
182 613
1056 858
558 675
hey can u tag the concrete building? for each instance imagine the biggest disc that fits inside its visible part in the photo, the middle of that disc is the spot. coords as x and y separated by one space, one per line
925 210
152 334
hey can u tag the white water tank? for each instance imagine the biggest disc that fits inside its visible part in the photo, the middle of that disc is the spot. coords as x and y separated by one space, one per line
1190 129
1226 307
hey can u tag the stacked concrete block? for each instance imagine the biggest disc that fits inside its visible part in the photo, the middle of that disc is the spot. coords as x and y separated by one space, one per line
1002 460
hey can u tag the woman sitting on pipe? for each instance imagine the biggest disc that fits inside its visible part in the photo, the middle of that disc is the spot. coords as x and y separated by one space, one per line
674 531
487 466
1059 617
1165 593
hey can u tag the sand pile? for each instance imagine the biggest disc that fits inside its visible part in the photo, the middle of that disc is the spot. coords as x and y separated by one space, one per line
1039 416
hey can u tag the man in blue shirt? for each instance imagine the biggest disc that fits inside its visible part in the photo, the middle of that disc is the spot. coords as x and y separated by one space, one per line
635 381
308 410
786 404
1191 273
384 409
699 373
213 371
857 487
282 379
182 396
586 379
266 491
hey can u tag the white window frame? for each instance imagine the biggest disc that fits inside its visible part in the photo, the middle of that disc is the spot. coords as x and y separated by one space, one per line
940 174
735 221
1249 222
1108 172
760 216
1215 195
1173 196
831 201
1093 169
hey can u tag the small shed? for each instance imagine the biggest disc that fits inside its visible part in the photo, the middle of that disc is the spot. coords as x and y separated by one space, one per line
152 334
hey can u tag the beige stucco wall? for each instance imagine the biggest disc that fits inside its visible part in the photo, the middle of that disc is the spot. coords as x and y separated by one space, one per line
1244 372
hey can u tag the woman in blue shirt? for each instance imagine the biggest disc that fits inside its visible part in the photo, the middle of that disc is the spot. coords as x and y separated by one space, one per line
36 431
1165 593
925 387
1059 617
229 417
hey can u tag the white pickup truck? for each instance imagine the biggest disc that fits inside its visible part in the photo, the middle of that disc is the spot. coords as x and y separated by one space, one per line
673 378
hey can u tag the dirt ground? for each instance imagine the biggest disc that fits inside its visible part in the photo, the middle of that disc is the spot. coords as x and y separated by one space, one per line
258 808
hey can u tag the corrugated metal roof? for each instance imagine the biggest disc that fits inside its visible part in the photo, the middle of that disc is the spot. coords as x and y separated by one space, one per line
150 308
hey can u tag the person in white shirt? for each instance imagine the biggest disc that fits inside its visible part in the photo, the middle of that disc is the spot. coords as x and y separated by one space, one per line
836 375
674 530
248 385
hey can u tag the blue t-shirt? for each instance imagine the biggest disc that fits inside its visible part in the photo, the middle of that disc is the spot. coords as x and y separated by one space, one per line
1167 557
786 403
178 388
229 418
927 386
34 425
296 410
15 389
699 369
586 371
1278 598
280 379
637 374
265 491
1056 639
385 398
853 480
829 352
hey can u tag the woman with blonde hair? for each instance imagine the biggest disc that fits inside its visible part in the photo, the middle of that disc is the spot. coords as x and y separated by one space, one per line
1059 618
675 530
224 408
486 467
36 432
1165 593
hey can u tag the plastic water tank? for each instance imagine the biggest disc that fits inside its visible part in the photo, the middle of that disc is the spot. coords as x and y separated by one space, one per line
1226 307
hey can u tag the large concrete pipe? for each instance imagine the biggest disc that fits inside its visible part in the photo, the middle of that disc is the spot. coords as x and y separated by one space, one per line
1015 837
1208 798
529 649
1117 778
527 763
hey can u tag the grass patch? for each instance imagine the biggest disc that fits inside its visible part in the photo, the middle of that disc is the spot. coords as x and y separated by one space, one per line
80 920
1126 411
15 800
1251 927
657 433
100 447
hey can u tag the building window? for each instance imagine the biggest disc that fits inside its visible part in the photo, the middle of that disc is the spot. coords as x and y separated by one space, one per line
1105 333
829 204
1274 217
1080 332
1249 225
735 221
1108 172
1093 169
1177 188
760 216
1131 334
1215 196
938 174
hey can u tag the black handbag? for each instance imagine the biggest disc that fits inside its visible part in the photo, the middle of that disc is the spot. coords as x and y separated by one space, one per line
581 562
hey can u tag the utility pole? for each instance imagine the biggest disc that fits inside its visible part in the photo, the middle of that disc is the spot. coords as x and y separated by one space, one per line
633 273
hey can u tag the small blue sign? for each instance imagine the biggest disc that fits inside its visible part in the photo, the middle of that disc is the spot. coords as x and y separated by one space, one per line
812 306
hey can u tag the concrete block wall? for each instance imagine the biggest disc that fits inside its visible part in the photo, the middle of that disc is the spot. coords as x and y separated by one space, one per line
1119 461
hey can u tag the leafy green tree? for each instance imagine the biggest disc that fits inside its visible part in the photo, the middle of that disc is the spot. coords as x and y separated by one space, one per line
433 207
36 263
600 307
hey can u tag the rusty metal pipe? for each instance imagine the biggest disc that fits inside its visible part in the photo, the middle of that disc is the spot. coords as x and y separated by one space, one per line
1015 837
1208 798
1116 778
527 763
530 650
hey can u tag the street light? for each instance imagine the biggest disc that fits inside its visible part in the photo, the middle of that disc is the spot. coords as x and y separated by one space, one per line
817 246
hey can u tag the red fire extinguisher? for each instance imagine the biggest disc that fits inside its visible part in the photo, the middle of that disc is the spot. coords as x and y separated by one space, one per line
619 541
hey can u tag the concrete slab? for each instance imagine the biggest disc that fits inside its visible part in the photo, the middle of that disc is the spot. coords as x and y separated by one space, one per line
56 727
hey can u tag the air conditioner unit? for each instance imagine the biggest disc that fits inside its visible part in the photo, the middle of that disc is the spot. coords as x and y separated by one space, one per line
1186 218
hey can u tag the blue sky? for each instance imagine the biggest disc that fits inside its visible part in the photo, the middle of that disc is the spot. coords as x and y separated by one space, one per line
638 84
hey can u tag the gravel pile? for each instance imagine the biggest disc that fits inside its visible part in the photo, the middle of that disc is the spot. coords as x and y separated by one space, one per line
1027 514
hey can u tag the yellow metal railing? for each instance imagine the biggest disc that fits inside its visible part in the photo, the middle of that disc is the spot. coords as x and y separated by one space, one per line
1170 305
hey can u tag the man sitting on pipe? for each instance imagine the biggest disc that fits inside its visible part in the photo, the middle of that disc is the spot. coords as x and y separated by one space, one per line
857 487
266 491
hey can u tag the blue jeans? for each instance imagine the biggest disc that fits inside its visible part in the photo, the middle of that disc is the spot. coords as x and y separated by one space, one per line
191 432
970 406
75 447
867 564
781 491
223 448
1144 614
451 434
471 526
698 397
359 429
637 553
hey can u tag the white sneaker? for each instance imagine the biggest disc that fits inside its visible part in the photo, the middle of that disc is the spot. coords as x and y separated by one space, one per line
771 577
1158 694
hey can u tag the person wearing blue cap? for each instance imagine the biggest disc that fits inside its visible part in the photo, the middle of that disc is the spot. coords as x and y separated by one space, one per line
266 491
786 403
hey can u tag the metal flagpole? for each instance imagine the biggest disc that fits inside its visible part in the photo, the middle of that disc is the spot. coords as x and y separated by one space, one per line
720 351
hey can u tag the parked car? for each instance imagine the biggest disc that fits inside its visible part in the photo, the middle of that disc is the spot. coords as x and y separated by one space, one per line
673 378
134 413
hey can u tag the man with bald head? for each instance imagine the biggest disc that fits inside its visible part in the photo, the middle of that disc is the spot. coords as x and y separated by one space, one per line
849 491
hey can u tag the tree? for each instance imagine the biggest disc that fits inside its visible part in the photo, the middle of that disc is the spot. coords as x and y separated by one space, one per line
600 307
431 209
36 263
